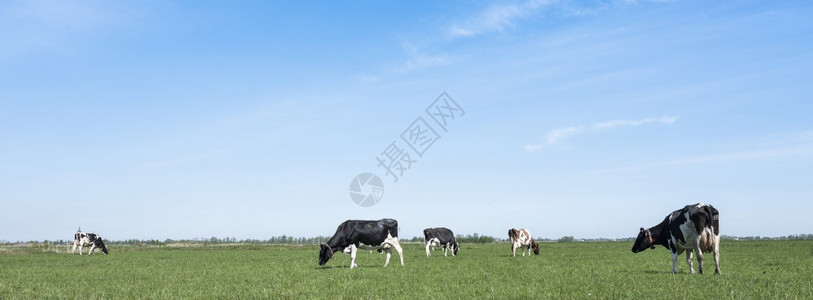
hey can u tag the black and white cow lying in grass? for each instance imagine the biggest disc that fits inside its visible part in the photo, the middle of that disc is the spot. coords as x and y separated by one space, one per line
440 237
354 233
81 239
692 228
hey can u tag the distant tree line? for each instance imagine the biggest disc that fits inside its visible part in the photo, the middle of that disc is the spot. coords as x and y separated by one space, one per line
792 237
474 238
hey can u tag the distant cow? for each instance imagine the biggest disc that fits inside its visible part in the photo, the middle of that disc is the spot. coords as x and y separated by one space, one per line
521 238
354 233
81 239
693 228
440 237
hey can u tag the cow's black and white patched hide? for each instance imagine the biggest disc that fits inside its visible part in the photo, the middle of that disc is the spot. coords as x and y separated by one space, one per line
694 228
440 237
82 239
354 233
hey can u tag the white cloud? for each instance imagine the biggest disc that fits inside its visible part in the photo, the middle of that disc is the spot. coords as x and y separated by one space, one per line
417 59
559 134
496 18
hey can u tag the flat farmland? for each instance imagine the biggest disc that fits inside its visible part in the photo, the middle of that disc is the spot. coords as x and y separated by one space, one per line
757 269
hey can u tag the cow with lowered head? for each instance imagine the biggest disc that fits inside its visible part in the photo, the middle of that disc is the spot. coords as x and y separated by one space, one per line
692 228
354 233
81 239
440 237
521 238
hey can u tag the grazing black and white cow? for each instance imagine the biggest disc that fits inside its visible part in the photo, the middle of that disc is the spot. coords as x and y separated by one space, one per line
521 238
81 239
354 233
440 237
693 228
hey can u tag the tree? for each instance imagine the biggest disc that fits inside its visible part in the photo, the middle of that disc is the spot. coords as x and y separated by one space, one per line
566 239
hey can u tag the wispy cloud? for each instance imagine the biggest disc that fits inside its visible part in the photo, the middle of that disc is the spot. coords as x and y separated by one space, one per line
501 17
557 135
496 18
417 59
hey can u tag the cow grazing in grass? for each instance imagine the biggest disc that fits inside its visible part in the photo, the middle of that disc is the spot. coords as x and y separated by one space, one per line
354 233
692 228
81 239
521 238
440 237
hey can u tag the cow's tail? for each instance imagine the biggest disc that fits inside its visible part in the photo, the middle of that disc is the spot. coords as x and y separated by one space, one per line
707 217
512 233
381 249
714 219
512 236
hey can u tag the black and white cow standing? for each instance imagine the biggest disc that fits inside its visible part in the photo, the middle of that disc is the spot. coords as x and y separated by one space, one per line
440 237
81 239
693 228
354 233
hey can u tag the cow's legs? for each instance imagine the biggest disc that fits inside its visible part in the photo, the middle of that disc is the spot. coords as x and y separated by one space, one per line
514 250
400 251
716 255
92 247
80 248
73 251
699 259
445 249
353 250
389 254
428 244
392 242
689 261
674 262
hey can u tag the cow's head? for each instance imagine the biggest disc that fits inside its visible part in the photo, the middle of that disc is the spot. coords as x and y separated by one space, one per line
643 241
455 248
535 246
325 254
100 244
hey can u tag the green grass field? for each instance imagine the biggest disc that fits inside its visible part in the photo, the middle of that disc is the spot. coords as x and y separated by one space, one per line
764 270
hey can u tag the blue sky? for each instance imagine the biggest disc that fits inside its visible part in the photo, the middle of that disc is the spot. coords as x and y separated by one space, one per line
163 119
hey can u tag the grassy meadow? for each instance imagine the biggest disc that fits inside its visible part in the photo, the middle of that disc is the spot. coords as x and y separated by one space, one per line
758 270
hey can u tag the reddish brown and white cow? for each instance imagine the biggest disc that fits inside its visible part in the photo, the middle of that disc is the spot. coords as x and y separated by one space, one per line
692 228
521 238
